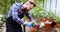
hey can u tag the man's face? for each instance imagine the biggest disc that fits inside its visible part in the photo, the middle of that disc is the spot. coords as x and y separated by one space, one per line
29 6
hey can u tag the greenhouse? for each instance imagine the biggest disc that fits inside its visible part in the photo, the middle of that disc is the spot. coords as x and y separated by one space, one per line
29 15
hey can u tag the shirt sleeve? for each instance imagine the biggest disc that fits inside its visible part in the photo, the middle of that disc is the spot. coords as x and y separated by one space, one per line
15 15
29 16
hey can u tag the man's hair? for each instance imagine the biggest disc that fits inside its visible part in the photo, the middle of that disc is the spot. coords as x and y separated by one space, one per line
32 3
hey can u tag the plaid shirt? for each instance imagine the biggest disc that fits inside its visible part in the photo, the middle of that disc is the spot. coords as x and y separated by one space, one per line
14 13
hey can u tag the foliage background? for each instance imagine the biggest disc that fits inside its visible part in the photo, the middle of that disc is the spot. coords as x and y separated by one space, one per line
37 12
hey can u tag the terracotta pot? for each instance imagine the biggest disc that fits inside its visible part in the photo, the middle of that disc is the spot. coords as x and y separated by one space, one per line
43 19
32 29
47 25
44 31
58 25
37 27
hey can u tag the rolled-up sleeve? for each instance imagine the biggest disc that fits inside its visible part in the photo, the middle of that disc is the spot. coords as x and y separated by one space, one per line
29 16
15 15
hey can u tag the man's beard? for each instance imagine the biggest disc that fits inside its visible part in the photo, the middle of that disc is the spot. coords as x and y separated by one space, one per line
25 9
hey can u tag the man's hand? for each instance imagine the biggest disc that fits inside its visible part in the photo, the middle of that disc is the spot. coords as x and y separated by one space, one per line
33 23
27 24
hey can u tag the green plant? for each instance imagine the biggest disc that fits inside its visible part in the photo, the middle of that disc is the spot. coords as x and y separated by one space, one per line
58 19
54 16
38 12
3 18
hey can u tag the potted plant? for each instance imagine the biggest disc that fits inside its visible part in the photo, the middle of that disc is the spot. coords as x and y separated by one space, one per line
58 22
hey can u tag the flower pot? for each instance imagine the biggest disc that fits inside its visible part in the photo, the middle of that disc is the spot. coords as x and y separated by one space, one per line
32 29
47 25
37 27
58 25
43 19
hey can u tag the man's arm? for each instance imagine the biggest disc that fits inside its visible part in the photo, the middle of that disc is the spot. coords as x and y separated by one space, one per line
15 15
33 22
29 16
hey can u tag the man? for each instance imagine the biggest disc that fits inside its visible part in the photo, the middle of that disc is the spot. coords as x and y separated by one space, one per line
16 13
